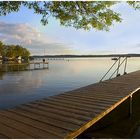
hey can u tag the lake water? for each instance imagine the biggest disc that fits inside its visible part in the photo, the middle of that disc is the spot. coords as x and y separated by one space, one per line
63 75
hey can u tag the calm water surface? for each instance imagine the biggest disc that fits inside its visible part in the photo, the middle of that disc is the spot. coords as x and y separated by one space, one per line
63 75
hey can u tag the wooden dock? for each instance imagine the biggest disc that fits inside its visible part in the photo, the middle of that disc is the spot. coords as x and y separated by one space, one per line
69 114
24 66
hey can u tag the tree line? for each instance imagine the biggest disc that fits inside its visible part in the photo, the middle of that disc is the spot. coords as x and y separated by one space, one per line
13 51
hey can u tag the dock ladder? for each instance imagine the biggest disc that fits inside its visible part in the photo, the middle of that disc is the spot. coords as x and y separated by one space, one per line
119 63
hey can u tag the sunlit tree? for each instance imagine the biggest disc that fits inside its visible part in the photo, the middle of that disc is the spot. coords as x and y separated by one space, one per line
78 14
1 48
13 51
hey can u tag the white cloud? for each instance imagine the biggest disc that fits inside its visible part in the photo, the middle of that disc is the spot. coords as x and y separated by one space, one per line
32 39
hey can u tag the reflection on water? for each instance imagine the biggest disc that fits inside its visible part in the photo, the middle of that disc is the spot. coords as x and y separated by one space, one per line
13 67
1 75
24 86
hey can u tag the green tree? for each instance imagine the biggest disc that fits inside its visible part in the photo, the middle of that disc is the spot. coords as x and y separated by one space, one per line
1 48
16 50
78 14
13 51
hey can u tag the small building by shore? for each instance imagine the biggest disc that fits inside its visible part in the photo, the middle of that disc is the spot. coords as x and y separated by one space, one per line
18 58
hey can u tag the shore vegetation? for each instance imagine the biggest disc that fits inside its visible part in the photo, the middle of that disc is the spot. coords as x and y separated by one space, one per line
12 52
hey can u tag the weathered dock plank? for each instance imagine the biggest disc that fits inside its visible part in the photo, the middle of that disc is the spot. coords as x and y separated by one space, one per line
12 132
24 128
34 123
66 111
69 114
3 136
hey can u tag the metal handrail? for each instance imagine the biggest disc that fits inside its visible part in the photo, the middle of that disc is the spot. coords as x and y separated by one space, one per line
109 69
116 70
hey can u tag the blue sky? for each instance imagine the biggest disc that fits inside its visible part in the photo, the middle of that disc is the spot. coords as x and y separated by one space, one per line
24 28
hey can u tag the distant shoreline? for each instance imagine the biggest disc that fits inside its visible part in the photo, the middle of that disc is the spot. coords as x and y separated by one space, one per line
85 56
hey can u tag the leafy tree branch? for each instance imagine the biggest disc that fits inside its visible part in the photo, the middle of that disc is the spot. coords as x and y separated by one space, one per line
78 14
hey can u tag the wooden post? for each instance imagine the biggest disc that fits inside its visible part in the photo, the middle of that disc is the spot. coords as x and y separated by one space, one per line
130 106
43 65
47 65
